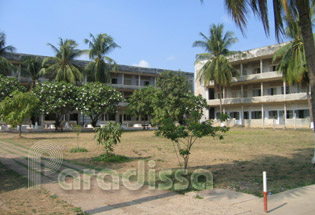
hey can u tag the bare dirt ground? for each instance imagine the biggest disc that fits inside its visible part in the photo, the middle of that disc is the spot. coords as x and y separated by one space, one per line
16 198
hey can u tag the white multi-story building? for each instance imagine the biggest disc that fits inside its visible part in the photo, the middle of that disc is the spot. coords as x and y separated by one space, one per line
258 97
126 80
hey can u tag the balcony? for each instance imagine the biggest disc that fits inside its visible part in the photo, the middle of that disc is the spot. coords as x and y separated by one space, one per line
255 77
259 99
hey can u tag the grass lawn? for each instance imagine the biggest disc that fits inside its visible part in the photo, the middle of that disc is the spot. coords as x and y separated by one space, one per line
236 162
16 198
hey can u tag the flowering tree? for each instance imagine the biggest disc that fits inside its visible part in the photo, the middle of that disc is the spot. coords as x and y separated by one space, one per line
95 99
57 98
9 85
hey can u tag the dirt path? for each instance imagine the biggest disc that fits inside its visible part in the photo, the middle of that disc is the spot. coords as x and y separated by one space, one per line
124 201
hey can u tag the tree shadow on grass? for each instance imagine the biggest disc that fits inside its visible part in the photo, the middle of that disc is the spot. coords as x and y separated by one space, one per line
283 173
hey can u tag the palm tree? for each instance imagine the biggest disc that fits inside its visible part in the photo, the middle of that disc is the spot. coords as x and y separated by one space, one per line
292 58
293 10
217 68
99 69
32 66
62 67
4 63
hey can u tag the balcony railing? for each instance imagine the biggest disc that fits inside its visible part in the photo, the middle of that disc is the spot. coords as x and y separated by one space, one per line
259 99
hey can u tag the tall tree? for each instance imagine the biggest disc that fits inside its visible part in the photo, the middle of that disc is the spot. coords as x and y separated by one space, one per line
96 99
292 58
217 68
8 85
140 103
57 98
99 69
5 65
62 67
14 110
173 98
32 66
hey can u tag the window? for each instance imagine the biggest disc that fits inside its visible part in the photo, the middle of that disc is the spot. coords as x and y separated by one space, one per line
112 117
245 94
114 80
127 117
127 95
301 114
211 93
273 114
256 70
273 68
146 83
287 90
256 92
211 112
235 115
272 91
131 79
50 117
289 114
73 117
256 114
246 115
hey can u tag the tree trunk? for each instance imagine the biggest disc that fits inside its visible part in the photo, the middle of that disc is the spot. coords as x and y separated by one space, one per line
309 101
220 97
20 130
307 34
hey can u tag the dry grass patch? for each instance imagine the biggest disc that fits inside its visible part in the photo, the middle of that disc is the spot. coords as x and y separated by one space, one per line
16 198
236 162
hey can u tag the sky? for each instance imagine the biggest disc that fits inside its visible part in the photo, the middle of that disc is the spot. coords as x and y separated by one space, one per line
151 33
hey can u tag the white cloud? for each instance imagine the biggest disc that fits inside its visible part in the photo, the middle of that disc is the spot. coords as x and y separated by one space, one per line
142 63
171 58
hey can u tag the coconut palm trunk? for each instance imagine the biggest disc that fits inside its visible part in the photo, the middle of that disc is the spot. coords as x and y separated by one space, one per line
309 101
308 39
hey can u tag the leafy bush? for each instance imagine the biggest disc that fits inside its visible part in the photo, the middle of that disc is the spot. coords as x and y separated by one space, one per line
108 136
112 158
78 149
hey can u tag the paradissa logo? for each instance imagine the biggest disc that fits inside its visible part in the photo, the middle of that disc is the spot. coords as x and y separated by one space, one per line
134 179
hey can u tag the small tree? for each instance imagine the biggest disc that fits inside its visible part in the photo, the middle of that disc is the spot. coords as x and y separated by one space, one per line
185 135
9 85
14 110
57 98
140 103
95 99
77 129
108 136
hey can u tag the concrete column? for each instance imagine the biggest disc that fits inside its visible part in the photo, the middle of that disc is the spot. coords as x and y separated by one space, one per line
261 66
284 115
284 88
242 115
139 80
224 93
263 116
123 79
242 69
262 88
242 92
294 117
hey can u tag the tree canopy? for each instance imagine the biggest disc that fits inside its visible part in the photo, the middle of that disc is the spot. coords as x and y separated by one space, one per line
99 69
95 99
62 67
14 110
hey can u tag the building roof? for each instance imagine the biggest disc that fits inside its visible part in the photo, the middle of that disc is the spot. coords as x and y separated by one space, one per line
261 52
122 68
